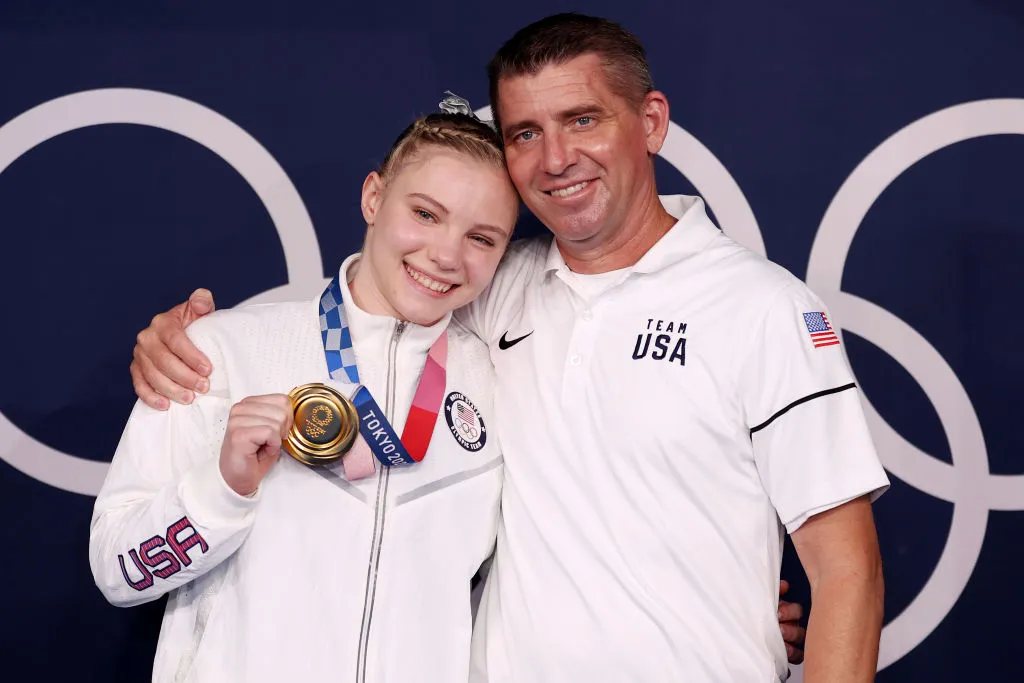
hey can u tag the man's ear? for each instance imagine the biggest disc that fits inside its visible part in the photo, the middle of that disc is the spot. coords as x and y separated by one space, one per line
656 119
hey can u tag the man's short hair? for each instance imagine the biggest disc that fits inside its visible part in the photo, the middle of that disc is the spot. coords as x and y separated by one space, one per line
562 37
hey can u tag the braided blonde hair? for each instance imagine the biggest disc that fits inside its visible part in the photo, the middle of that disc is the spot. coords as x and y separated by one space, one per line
458 132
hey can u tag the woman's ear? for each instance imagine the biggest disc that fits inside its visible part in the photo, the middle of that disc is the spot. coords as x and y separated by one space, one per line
372 196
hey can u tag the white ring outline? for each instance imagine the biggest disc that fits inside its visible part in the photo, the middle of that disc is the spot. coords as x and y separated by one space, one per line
85 476
966 483
216 133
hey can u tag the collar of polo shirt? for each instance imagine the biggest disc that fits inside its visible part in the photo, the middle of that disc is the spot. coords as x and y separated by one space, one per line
690 234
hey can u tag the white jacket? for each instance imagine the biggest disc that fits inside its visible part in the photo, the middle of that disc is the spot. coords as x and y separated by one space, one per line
314 578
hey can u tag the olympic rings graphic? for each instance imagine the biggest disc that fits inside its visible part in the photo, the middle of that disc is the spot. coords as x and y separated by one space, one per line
967 483
468 430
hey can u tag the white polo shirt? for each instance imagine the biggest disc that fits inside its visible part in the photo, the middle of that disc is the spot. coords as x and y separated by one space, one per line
661 425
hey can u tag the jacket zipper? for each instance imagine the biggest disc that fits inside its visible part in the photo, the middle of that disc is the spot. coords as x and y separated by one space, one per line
380 509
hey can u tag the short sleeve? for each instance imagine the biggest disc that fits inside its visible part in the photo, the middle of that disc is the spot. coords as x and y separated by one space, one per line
811 443
502 302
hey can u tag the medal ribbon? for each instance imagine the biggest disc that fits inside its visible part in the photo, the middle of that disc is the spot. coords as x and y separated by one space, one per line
374 427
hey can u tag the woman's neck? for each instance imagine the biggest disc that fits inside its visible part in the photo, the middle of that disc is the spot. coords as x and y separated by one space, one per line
366 295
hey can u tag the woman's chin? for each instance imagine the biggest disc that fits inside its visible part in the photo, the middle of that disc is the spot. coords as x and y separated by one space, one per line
425 318
425 310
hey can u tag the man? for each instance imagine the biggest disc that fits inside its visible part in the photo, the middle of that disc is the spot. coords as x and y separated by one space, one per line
668 402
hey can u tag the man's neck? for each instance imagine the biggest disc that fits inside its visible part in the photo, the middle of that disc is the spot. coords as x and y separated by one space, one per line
646 224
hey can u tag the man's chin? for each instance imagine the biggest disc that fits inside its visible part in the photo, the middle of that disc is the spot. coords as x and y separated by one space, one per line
580 226
577 232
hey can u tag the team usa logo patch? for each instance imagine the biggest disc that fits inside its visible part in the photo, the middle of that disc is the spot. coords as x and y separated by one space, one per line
465 422
820 330
662 340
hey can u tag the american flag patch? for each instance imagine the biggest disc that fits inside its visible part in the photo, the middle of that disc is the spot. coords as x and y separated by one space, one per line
465 413
821 332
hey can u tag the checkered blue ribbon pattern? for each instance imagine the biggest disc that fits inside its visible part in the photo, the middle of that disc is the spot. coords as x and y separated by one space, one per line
334 333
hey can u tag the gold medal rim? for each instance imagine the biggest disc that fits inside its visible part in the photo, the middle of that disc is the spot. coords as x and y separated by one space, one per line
304 450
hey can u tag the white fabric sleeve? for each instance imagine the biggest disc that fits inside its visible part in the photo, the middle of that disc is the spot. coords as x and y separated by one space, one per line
165 515
498 306
811 442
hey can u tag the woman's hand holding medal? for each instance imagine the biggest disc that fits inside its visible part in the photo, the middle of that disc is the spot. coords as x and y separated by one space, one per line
257 428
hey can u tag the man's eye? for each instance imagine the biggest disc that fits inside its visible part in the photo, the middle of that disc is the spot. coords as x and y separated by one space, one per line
525 135
584 120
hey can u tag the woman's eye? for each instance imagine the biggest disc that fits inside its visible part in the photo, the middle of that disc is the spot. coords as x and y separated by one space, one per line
483 240
425 215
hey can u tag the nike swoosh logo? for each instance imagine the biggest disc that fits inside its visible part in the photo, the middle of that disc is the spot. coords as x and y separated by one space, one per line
504 343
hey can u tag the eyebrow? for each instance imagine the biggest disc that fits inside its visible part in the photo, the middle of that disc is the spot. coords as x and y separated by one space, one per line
492 228
430 200
513 128
441 208
586 108
579 110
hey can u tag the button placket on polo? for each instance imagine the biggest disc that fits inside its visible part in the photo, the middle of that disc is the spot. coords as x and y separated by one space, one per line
580 352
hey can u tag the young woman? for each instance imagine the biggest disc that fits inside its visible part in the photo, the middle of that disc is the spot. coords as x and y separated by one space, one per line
281 571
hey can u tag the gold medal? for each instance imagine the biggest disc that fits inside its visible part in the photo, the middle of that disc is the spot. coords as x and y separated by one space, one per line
325 427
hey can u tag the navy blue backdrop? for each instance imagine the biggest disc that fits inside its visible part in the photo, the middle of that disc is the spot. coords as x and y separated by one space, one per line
874 148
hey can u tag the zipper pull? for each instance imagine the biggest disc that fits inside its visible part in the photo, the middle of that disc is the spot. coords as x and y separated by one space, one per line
401 328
